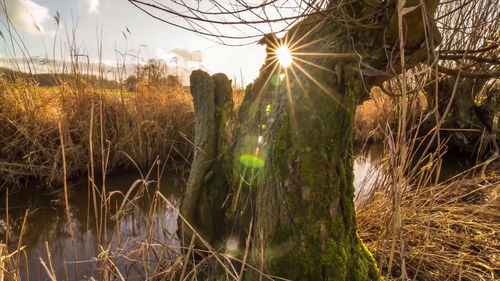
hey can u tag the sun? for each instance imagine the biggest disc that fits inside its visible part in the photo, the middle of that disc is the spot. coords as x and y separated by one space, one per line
284 56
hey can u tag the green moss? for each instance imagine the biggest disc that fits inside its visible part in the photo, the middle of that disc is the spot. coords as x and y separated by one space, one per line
282 255
309 192
282 150
316 164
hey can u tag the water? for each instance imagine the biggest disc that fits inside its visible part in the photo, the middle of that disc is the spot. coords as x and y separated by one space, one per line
368 170
46 220
47 227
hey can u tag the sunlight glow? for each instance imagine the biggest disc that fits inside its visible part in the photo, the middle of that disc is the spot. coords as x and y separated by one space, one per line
284 56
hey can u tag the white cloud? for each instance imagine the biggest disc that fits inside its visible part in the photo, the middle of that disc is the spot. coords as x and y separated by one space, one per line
193 56
93 6
27 15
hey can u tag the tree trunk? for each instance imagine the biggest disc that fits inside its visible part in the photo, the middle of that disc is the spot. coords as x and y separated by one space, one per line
470 120
301 200
291 178
207 185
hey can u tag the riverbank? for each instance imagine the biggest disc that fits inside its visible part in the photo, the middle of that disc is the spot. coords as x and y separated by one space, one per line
103 129
127 128
448 229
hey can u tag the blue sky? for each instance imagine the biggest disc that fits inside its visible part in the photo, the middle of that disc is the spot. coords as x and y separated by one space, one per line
148 38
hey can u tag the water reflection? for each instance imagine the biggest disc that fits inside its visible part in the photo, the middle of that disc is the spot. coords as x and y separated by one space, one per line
368 170
46 221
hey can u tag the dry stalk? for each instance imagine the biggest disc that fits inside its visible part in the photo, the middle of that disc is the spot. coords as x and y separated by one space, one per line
450 230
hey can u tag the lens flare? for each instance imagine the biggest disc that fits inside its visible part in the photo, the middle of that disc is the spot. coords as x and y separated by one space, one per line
284 56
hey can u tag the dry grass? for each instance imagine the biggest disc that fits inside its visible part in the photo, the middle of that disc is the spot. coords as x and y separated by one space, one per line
450 233
450 230
143 125
238 96
377 114
78 129
372 116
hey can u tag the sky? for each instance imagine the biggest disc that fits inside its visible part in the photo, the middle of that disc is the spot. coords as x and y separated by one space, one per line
125 30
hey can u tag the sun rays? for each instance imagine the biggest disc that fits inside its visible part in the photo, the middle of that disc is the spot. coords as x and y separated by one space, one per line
297 75
295 70
292 64
290 53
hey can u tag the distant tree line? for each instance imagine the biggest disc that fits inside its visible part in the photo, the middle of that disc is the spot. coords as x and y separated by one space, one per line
153 74
54 79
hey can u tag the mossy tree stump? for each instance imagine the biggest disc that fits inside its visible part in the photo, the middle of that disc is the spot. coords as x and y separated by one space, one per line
291 172
207 184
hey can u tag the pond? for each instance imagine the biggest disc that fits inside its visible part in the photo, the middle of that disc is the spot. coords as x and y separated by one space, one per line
45 228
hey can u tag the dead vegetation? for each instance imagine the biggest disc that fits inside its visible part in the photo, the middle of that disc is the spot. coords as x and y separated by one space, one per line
450 230
136 126
446 231
155 254
375 115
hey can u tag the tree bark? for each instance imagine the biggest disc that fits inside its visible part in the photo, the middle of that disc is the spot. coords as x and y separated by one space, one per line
207 185
302 199
470 121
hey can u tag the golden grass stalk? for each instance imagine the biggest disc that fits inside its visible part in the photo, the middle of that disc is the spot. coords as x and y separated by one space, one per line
66 201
